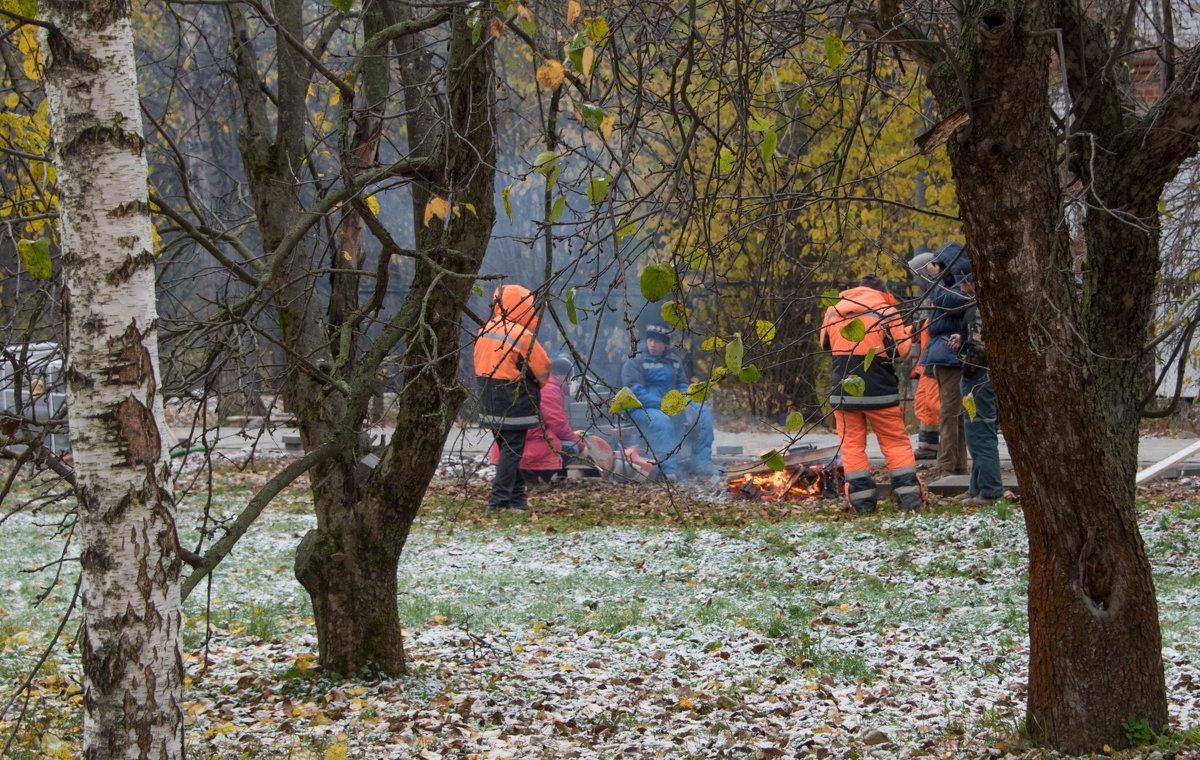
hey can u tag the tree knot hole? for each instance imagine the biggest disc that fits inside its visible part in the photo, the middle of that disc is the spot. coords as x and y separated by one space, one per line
995 23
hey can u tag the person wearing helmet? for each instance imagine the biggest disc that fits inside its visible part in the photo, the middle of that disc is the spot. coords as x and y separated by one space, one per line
867 337
511 367
680 442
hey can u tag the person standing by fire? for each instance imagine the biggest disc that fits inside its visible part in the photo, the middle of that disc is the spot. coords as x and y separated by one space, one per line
926 404
949 263
511 367
867 337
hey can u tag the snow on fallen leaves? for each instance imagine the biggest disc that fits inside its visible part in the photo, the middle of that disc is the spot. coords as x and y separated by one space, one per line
888 637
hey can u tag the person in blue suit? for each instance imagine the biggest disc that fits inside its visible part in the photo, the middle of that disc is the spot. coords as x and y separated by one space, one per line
682 444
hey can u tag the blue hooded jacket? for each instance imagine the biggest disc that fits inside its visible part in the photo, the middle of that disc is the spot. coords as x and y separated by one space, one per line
948 306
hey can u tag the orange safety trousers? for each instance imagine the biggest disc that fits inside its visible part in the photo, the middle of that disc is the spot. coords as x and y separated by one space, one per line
888 426
926 403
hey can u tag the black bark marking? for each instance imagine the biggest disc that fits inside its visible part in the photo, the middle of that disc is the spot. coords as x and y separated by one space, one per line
138 432
130 266
110 135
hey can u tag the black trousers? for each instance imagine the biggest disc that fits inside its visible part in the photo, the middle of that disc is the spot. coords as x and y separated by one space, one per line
508 489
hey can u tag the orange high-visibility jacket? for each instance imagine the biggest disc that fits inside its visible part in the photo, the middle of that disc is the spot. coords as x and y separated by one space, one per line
885 334
510 364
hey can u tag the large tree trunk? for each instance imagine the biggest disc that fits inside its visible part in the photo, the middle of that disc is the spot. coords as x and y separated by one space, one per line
131 646
348 564
1071 423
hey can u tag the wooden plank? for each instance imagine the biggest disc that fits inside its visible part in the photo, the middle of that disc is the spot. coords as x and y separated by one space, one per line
1154 470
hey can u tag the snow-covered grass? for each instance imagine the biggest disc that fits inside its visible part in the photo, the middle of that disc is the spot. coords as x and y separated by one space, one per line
887 636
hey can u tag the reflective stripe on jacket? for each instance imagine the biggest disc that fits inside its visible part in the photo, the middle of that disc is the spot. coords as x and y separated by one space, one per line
510 364
884 333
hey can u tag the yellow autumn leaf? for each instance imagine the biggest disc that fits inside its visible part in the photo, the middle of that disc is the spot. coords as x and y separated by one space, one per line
335 98
606 126
551 74
12 101
498 28
686 703
439 207
440 619
373 205
573 11
588 60
336 752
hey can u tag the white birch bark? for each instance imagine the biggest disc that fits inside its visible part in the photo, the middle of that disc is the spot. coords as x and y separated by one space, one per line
131 644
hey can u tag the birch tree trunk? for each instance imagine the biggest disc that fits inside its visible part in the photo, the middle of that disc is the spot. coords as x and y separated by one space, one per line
131 646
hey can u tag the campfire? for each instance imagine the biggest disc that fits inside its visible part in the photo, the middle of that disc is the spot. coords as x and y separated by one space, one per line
812 474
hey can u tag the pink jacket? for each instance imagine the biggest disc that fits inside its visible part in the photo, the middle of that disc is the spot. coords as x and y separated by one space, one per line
543 443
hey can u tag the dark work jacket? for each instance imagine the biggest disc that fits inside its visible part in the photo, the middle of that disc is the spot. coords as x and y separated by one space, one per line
949 305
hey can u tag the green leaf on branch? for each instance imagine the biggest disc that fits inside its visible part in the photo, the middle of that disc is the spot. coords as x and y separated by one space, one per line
545 162
870 357
597 190
656 282
749 374
344 5
626 231
854 385
854 331
507 202
774 460
733 354
556 211
830 297
624 401
770 141
35 257
699 392
969 405
674 313
794 422
593 115
478 290
718 373
673 403
835 51
712 344
760 123
765 330
726 160
572 315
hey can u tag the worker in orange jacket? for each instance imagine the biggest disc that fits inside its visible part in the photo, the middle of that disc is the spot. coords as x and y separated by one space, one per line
511 367
867 337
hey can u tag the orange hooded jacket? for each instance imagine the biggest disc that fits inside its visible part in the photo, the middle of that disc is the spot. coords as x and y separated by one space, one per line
509 362
884 338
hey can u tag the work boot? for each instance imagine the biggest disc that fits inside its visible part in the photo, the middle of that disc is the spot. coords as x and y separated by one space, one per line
908 489
860 491
924 453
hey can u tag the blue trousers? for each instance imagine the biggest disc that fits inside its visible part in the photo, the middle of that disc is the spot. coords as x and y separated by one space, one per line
681 442
982 440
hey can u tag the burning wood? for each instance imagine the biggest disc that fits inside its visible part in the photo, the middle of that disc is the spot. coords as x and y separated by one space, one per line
814 474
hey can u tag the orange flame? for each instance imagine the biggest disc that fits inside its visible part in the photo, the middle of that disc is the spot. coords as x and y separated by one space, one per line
785 485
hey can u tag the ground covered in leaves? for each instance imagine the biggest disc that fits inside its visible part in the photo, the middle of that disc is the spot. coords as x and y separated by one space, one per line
619 622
